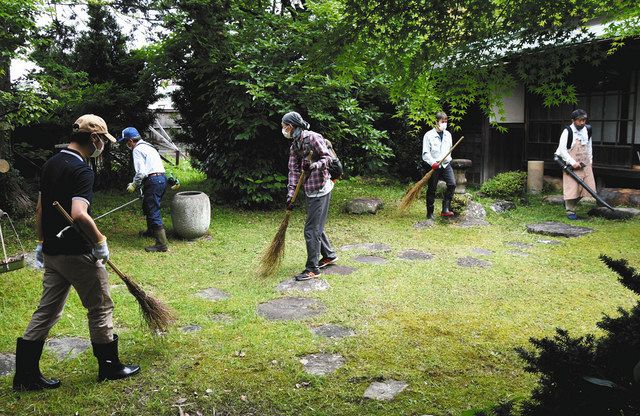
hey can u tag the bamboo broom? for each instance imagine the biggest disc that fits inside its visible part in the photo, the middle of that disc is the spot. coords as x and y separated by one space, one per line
274 253
414 192
156 314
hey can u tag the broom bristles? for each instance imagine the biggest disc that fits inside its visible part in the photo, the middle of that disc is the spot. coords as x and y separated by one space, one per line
274 253
156 314
413 193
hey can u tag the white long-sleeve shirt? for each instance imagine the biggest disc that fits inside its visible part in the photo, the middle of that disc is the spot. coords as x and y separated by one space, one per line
146 160
433 148
578 135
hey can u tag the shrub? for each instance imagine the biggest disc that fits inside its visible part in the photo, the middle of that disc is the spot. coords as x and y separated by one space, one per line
505 185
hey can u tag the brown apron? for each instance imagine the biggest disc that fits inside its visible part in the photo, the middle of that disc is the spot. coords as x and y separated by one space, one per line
571 188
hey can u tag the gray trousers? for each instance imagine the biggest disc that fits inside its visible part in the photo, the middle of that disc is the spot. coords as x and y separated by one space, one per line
91 281
317 241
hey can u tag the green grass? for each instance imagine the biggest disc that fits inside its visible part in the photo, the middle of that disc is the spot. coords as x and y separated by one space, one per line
450 332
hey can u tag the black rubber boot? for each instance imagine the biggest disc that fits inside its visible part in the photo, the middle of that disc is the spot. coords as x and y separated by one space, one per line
28 376
446 202
109 365
145 233
431 200
161 241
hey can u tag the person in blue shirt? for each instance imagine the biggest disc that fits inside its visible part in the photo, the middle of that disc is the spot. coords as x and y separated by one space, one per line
150 174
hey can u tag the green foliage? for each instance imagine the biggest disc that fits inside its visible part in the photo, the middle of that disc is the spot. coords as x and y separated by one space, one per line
241 66
505 185
459 204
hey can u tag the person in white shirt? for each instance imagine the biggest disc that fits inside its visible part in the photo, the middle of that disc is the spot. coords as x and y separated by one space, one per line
576 150
150 175
435 144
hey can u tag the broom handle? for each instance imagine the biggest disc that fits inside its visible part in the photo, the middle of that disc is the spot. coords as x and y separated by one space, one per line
454 146
66 215
298 186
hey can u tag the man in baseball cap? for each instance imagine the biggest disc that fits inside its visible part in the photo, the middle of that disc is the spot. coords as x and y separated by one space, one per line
70 260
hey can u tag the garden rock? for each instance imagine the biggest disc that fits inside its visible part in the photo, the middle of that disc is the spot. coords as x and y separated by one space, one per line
7 364
338 269
321 364
222 318
621 196
559 200
67 347
332 331
474 216
552 183
373 247
616 214
311 285
558 229
190 214
213 294
502 206
482 251
424 224
370 259
190 328
519 244
415 255
549 242
385 390
364 206
472 262
290 309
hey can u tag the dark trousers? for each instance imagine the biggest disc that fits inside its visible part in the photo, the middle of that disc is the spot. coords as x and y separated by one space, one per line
445 174
153 189
317 241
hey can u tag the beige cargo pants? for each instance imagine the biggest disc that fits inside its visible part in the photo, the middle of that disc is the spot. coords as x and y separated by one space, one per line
91 281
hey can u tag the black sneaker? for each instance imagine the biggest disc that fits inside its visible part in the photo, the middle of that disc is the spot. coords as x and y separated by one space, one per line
325 261
307 275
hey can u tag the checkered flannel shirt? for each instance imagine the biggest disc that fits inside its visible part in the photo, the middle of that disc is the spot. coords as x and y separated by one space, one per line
309 143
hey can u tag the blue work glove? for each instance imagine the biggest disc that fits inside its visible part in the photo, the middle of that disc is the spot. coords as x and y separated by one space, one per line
101 251
39 256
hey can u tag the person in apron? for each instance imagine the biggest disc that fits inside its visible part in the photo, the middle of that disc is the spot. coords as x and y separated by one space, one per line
575 149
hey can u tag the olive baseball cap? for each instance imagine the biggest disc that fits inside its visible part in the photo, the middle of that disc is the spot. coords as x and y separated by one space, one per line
90 123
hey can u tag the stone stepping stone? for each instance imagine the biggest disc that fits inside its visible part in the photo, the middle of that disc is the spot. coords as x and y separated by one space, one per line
222 318
482 251
518 253
321 364
290 309
519 244
7 364
190 328
377 247
370 259
559 199
338 269
473 216
364 205
549 242
332 331
558 229
616 214
415 255
385 390
424 224
213 294
67 347
502 206
472 262
312 285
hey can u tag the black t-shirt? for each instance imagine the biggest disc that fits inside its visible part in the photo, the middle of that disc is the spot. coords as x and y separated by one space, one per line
66 176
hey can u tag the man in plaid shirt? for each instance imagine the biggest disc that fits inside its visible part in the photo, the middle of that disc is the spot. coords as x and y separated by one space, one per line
309 153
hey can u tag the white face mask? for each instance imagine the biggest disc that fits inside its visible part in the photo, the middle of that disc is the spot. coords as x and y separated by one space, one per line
97 150
443 126
287 134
